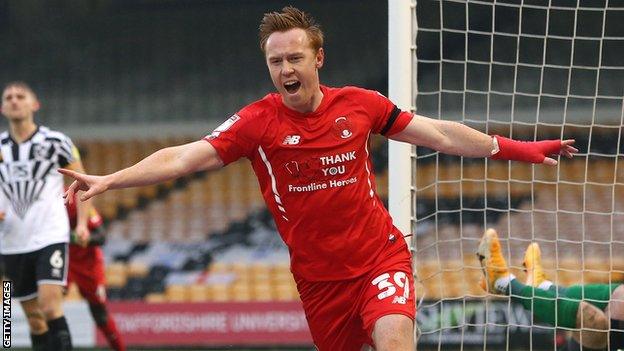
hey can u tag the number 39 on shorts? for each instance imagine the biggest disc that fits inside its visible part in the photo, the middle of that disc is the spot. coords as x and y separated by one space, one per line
388 286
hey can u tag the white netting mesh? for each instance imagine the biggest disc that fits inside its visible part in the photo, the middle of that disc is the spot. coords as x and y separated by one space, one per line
529 70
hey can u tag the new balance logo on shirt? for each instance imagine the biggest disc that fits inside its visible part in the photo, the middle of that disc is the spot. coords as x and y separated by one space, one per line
291 140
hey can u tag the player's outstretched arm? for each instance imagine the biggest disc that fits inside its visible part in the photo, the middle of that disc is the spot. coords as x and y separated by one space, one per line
165 164
457 139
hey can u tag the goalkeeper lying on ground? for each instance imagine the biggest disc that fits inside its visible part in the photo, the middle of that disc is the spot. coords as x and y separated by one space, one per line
593 312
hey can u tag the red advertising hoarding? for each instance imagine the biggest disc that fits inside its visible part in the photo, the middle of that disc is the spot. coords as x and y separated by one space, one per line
244 323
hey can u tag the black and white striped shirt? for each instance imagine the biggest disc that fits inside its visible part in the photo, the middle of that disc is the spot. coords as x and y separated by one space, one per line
31 190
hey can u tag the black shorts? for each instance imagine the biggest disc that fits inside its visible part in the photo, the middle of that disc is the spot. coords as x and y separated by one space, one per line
44 266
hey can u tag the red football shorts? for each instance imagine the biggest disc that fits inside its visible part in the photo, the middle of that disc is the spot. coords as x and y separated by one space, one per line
341 314
86 269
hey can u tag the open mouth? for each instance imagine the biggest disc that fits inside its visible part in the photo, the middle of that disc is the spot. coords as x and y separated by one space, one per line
292 87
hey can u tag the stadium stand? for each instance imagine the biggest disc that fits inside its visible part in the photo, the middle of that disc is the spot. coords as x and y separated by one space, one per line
209 238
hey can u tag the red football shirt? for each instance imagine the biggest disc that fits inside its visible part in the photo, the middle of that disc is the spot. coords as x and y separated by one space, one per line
316 177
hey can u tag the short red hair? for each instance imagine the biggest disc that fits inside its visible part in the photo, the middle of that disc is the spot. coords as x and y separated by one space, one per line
290 18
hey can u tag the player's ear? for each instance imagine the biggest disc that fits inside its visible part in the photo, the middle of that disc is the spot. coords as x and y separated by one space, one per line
36 106
320 58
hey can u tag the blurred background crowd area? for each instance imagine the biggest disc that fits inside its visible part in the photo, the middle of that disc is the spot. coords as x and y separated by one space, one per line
124 78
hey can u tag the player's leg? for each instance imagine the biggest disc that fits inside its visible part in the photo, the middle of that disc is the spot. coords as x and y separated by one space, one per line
389 308
544 304
86 269
394 332
590 316
51 270
597 296
20 268
332 316
106 324
332 312
592 325
36 323
534 270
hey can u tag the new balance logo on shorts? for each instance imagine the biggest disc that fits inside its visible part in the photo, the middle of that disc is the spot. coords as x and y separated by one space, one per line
291 140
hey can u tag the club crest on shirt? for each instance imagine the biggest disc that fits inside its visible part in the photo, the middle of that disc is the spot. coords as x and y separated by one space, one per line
342 128
40 152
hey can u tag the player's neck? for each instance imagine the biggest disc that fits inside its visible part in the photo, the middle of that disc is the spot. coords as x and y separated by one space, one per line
311 106
22 129
317 99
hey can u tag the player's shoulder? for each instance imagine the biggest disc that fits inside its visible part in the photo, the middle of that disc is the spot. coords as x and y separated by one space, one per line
355 93
250 120
51 135
5 138
258 108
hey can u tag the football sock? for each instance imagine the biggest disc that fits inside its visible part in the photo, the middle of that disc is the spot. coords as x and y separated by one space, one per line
106 325
546 306
60 339
595 294
39 342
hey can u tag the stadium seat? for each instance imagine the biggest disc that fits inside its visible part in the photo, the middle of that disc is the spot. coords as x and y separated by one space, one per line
262 291
116 274
155 298
137 269
218 292
198 293
177 293
285 292
241 292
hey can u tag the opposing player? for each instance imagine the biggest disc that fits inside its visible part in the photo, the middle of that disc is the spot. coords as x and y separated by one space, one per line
86 270
308 145
595 312
35 231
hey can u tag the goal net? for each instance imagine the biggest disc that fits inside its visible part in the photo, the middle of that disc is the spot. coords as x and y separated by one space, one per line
530 70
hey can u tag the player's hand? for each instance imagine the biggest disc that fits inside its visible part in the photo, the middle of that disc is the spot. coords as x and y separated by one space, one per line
82 235
2 215
89 184
542 151
566 150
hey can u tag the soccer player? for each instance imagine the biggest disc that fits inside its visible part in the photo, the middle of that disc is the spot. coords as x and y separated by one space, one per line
86 269
594 311
35 231
308 146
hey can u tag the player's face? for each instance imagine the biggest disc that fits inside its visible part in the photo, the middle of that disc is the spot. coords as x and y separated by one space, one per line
18 103
293 65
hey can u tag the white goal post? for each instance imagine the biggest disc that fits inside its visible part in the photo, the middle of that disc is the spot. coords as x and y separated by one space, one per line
401 27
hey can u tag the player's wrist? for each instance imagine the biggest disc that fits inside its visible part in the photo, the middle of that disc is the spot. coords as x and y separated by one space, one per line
110 181
525 151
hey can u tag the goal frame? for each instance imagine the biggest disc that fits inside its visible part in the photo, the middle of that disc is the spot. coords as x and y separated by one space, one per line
401 90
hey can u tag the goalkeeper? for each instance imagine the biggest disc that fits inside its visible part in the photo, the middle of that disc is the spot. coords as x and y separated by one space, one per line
593 312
